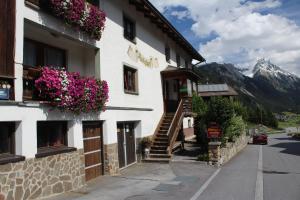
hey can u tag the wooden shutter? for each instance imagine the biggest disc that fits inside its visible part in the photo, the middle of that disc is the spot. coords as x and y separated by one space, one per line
7 37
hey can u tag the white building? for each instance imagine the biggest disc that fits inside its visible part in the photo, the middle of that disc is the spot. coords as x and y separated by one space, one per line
146 63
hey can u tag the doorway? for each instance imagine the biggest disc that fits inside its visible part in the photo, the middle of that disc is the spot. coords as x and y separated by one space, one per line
126 143
93 149
171 95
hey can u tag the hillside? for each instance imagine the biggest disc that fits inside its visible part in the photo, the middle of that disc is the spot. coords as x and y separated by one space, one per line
270 86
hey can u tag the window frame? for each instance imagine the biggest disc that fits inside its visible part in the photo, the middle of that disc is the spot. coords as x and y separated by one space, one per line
129 20
41 47
44 151
12 134
135 75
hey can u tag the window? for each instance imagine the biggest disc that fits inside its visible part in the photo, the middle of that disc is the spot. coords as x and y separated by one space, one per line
7 136
39 54
178 61
129 29
94 2
51 134
186 64
130 80
168 53
189 123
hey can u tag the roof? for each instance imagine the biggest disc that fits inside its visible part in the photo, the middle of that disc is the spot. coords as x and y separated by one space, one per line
157 18
210 90
172 71
213 88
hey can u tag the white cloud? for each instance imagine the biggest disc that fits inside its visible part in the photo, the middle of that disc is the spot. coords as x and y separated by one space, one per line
243 33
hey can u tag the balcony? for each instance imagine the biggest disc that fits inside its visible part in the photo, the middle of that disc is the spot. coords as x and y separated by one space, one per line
85 15
63 57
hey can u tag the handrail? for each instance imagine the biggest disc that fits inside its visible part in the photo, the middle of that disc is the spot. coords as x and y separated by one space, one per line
175 127
177 122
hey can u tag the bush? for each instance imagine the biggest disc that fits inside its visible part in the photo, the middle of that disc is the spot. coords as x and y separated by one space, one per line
219 110
235 128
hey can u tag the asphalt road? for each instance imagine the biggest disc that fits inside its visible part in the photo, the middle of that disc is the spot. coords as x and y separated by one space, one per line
269 172
240 178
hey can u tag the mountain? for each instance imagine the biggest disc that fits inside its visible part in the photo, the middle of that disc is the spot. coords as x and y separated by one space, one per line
269 85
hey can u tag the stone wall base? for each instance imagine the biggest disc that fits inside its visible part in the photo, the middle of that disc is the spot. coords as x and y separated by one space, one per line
219 156
111 159
38 178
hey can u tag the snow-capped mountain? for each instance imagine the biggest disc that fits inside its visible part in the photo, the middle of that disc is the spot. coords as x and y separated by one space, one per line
278 77
266 68
270 85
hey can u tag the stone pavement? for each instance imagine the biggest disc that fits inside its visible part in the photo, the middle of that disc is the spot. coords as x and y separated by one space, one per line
147 181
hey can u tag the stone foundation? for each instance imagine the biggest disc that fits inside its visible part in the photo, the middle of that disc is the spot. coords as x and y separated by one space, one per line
219 156
111 159
232 149
38 178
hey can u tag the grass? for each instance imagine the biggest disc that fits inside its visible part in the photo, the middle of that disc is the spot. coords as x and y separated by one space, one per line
292 121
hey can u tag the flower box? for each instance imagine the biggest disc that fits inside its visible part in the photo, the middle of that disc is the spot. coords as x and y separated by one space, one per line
68 91
78 13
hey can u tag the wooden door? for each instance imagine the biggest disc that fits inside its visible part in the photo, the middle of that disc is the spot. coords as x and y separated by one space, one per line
126 143
93 149
121 150
130 143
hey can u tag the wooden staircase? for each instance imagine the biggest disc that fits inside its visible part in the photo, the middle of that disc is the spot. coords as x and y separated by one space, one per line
167 131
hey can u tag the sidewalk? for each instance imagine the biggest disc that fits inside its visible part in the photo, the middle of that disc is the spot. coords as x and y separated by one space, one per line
147 181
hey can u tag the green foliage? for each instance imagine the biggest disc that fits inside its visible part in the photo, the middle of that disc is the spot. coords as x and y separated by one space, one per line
260 115
219 110
236 126
199 106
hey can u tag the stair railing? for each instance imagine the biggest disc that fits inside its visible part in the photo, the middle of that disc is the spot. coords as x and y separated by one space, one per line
175 127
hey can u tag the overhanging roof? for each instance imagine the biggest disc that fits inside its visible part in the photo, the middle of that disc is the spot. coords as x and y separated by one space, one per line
161 22
172 71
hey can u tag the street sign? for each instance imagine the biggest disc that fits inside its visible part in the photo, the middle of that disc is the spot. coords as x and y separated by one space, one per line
214 130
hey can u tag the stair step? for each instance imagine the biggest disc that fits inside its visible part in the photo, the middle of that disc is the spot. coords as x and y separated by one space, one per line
158 147
157 160
152 151
161 140
159 143
162 136
159 156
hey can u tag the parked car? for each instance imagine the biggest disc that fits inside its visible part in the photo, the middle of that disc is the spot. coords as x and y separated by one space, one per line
260 138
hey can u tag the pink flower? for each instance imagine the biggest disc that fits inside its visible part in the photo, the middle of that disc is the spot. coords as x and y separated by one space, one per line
71 92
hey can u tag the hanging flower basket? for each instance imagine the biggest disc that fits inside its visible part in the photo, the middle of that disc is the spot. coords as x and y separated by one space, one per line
68 91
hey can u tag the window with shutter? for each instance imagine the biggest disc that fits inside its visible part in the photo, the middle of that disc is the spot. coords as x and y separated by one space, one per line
7 37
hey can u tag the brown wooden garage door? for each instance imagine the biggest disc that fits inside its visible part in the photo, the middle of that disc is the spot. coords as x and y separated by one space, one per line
93 149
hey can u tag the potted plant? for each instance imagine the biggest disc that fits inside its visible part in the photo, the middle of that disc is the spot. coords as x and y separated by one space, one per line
146 143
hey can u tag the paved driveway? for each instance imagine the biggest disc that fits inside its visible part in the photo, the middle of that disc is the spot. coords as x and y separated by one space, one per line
147 181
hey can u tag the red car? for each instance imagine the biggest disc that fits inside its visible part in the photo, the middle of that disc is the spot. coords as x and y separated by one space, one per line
260 139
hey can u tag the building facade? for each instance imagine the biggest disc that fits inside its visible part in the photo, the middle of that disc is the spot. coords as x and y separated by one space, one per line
45 151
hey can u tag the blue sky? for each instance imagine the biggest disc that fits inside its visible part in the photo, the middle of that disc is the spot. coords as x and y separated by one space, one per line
239 31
